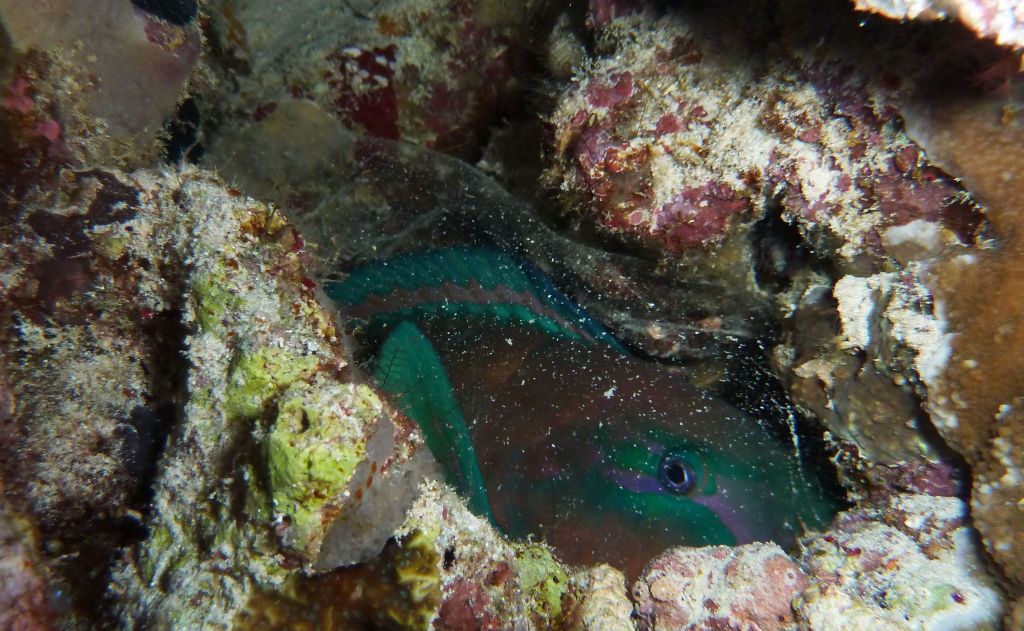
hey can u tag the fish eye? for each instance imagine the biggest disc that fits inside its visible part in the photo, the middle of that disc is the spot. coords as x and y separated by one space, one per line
676 474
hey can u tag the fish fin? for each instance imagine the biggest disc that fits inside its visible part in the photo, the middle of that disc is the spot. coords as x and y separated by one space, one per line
409 369
462 282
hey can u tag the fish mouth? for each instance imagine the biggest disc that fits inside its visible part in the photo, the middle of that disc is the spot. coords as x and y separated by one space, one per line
739 522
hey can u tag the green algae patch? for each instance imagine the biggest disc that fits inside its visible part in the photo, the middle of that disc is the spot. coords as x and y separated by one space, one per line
258 376
316 442
544 581
213 301
159 542
164 555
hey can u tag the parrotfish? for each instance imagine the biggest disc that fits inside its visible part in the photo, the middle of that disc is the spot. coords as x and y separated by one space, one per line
550 428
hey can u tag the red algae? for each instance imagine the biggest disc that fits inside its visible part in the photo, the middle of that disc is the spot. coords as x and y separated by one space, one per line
673 140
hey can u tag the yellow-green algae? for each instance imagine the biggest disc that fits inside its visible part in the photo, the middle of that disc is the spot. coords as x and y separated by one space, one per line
545 583
256 377
214 300
258 331
315 444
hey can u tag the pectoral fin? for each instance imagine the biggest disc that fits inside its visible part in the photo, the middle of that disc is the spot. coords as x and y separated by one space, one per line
409 369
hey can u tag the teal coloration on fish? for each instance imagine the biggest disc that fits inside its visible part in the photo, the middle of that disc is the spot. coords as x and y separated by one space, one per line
549 427
409 368
465 282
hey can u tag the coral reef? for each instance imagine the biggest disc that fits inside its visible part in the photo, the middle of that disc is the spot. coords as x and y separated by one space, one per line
432 73
911 563
754 181
95 80
746 587
679 141
188 443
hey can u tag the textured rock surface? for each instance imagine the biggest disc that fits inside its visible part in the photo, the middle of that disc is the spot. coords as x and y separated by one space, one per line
433 73
24 584
976 403
909 564
260 337
605 604
97 80
1001 20
746 587
858 355
674 137
91 285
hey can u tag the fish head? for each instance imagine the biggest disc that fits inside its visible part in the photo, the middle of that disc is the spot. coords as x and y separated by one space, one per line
666 464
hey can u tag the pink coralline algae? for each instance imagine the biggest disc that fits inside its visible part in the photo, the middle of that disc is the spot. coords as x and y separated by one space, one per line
363 83
387 90
672 138
465 607
746 587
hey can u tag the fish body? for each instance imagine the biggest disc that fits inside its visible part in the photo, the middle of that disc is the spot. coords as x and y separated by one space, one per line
547 426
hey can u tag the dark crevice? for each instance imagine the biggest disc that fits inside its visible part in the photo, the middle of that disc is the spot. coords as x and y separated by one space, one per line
179 12
183 135
779 249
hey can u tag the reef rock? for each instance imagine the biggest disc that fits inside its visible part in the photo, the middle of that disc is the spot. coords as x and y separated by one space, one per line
95 80
91 308
910 563
977 396
750 586
1001 20
676 139
25 602
431 72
